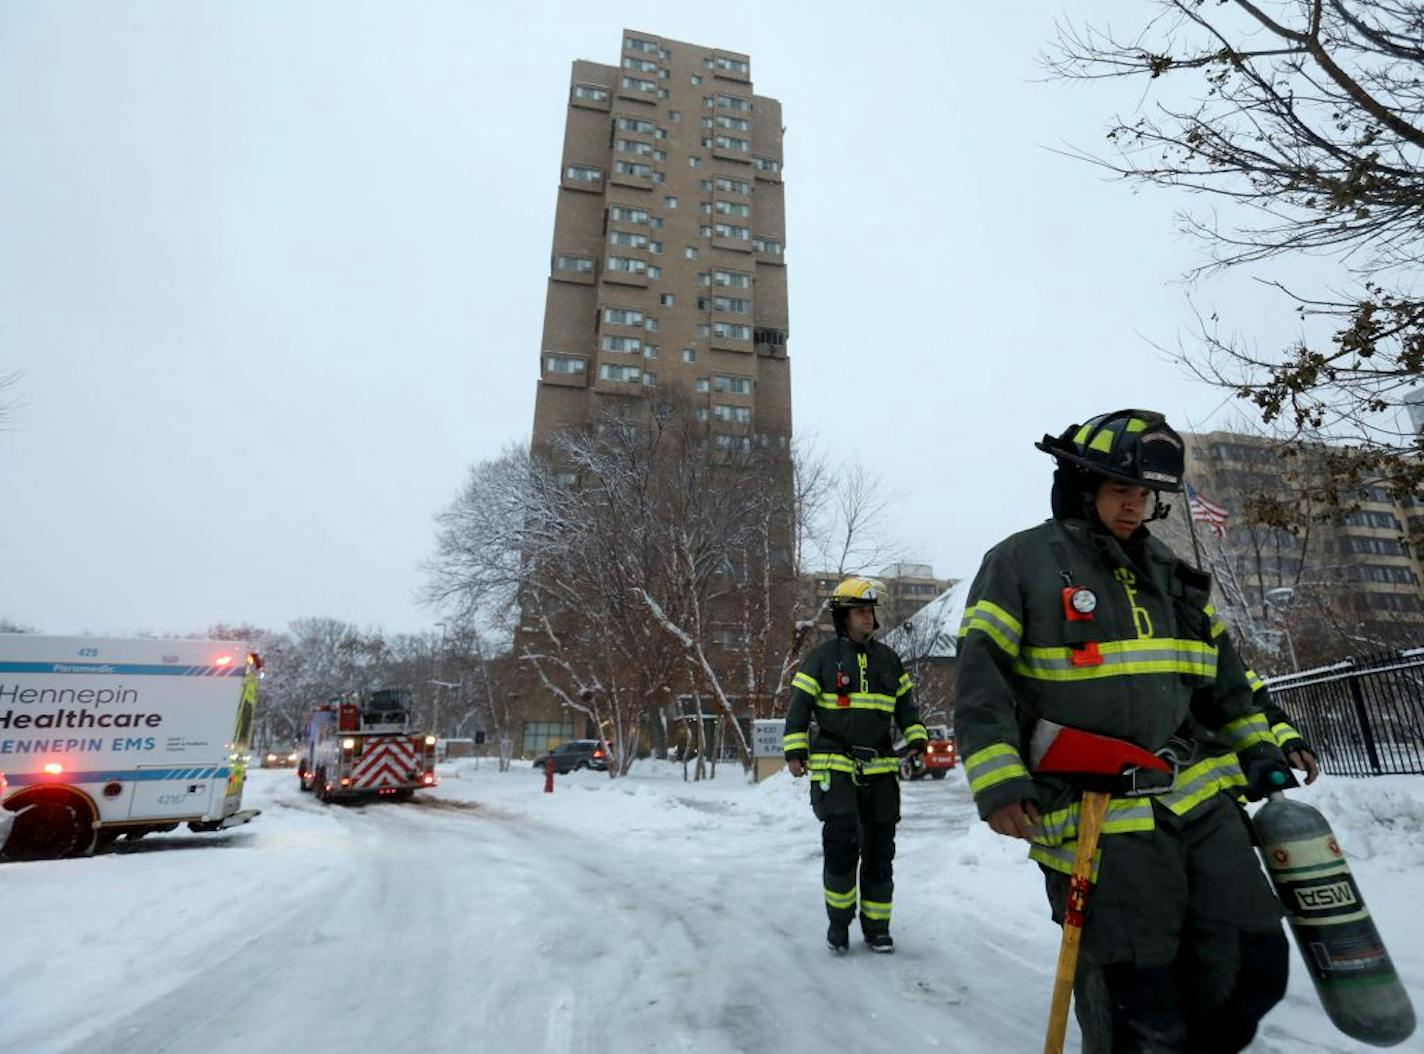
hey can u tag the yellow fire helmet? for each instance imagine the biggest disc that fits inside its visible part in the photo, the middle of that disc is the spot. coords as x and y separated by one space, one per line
856 592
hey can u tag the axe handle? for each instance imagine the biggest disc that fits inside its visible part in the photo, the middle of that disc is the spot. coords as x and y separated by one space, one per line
1090 824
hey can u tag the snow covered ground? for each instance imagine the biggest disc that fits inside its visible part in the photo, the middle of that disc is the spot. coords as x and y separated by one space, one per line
641 914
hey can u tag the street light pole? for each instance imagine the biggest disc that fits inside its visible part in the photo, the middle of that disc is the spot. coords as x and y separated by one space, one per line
1277 600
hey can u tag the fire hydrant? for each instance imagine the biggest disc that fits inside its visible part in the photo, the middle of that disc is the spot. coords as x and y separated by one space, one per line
549 775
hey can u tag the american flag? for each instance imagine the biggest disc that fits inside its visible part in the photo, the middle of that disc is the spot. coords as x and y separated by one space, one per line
1203 511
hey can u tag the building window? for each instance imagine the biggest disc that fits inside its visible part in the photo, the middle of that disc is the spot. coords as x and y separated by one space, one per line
732 385
733 124
732 65
670 202
655 272
702 411
766 164
667 300
633 168
706 122
726 442
622 316
705 208
694 162
539 736
733 186
564 364
675 116
650 324
640 85
689 354
734 102
655 247
624 214
730 142
659 177
622 345
733 208
731 331
578 264
590 91
736 414
702 384
649 378
731 304
728 230
633 146
697 78
705 230
609 371
657 223
627 265
628 239
651 351
767 245
649 47
690 252
635 124
583 174
703 330
659 155
641 65
731 279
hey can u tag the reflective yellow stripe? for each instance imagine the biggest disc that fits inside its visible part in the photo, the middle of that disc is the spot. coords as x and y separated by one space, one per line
905 686
818 763
1254 680
1102 441
839 900
993 765
1124 814
1135 424
1197 783
1246 732
1284 733
795 741
915 733
806 683
859 701
1121 658
995 623
875 910
1060 857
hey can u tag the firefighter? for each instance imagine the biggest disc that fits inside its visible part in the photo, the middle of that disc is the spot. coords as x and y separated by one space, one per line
1088 621
855 687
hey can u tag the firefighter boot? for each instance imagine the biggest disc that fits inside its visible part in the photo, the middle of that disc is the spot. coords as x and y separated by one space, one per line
880 942
838 937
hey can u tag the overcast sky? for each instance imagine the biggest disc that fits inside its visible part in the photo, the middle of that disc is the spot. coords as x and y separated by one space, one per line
274 273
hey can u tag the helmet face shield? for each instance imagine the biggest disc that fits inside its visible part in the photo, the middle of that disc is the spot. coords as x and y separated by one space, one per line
1159 459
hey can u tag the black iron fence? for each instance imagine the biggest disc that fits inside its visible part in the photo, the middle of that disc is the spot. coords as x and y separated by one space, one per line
1364 716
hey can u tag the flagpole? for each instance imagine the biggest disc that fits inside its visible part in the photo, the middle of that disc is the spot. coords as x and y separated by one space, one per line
1191 523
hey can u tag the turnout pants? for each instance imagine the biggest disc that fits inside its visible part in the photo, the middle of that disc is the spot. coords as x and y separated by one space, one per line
858 833
1182 949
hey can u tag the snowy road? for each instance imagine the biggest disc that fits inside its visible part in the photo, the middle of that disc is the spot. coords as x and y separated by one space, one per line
643 914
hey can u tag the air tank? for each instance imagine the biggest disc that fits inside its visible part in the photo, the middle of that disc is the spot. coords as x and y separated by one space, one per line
1347 960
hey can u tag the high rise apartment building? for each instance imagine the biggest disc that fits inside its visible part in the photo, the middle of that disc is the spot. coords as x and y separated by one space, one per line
667 273
1361 561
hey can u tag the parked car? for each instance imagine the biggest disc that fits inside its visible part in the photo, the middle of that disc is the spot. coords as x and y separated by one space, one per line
7 818
939 756
576 754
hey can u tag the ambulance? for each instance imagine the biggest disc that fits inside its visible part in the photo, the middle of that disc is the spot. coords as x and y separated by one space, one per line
101 738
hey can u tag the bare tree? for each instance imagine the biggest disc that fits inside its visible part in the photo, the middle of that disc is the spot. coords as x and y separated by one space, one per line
1305 118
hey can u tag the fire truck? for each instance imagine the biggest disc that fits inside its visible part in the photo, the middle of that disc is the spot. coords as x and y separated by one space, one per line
360 745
